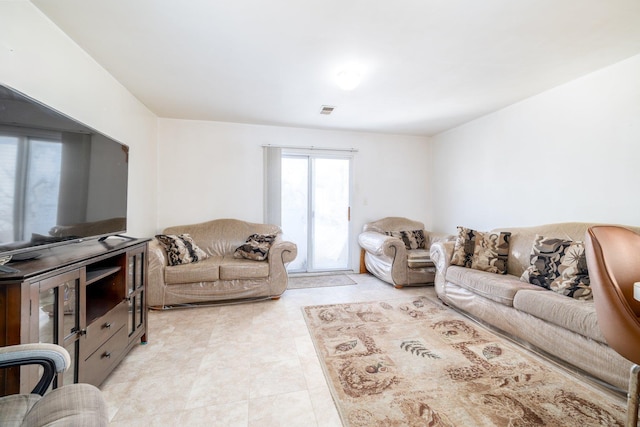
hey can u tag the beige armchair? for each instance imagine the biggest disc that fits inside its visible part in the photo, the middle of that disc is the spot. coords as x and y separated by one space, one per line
69 405
396 250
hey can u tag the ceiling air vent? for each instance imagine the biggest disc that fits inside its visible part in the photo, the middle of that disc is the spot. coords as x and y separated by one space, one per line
327 109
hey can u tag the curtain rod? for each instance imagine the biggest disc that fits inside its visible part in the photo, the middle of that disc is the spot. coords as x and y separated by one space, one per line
311 147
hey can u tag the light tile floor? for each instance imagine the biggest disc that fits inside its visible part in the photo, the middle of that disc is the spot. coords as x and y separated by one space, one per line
250 364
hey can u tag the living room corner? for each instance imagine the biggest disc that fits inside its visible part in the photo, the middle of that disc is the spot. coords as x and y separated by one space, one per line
537 153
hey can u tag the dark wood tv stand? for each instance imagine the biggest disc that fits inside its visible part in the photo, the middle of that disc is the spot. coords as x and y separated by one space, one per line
89 297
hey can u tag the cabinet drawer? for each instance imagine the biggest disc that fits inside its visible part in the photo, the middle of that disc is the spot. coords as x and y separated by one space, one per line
97 366
101 329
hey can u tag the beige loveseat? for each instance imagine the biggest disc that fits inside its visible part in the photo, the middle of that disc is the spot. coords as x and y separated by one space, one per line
394 260
557 325
220 276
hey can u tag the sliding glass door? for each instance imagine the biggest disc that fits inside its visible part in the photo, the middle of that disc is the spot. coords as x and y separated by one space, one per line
315 210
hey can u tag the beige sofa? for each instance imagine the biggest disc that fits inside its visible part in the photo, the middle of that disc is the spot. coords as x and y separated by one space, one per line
221 276
559 326
387 256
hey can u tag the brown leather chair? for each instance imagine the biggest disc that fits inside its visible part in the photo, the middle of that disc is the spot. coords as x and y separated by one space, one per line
613 259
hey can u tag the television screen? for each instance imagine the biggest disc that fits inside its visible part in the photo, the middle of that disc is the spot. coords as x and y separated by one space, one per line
60 181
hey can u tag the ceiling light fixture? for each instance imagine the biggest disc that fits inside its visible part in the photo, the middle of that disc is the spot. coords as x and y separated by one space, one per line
349 78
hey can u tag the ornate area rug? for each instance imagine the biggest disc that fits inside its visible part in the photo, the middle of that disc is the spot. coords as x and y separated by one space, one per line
320 281
414 362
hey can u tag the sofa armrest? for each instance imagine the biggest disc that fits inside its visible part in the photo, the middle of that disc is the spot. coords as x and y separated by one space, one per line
441 254
379 244
281 253
53 359
372 242
157 263
392 248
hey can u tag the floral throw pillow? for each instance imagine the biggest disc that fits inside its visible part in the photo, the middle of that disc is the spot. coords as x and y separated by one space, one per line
559 265
181 249
413 239
464 247
256 247
481 250
491 251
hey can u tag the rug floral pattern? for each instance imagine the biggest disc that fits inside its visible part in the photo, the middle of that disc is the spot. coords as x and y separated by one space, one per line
417 363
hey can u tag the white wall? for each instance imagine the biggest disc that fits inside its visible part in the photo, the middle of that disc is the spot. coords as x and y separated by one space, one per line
39 60
569 154
211 170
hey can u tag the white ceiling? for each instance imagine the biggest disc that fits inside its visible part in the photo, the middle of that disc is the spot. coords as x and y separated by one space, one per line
429 65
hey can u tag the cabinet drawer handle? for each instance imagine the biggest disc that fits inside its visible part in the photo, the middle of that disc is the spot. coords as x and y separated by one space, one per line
106 355
107 325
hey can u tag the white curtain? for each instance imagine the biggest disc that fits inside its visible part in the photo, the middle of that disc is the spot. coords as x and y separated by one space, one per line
272 185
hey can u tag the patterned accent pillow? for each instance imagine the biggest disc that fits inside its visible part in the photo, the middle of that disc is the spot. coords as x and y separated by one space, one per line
181 249
491 251
413 239
464 247
559 265
481 250
256 247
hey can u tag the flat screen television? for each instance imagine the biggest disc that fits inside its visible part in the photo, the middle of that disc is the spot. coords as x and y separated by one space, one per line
60 181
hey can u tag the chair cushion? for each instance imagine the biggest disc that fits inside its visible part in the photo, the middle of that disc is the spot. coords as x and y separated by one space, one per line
419 258
14 408
72 405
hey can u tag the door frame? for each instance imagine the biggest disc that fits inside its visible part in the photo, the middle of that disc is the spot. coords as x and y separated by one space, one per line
324 154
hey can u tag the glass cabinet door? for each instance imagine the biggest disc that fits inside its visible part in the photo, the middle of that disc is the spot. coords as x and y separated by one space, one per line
58 317
139 271
47 314
135 287
139 310
131 322
135 272
131 274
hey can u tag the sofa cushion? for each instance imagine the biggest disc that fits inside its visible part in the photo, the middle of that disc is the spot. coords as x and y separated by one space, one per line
559 265
574 315
238 269
484 251
204 271
499 288
413 239
256 247
181 249
419 258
